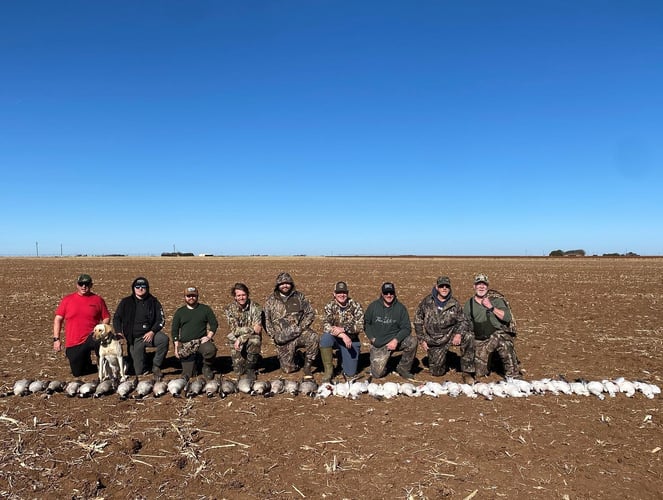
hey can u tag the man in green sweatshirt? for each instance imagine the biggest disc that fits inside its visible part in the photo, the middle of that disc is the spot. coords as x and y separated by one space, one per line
194 326
387 326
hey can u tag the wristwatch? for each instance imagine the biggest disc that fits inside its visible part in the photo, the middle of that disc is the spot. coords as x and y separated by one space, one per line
56 339
491 309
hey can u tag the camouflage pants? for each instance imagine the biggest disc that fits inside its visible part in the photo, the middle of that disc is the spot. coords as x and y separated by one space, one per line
286 353
380 356
247 356
499 342
437 355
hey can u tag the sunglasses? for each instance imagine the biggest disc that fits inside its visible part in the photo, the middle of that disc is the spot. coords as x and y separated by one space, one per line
86 283
141 286
191 296
388 293
443 286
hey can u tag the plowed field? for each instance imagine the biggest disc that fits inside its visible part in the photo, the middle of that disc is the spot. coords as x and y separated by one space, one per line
593 318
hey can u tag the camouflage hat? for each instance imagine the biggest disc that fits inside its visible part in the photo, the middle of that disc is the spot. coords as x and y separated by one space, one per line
341 287
443 280
284 278
481 278
84 278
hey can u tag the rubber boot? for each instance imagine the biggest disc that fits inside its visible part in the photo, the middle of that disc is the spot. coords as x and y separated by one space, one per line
327 356
239 367
188 366
251 365
308 368
208 373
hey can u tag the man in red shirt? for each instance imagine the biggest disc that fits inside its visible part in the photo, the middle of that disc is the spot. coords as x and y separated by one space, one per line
81 311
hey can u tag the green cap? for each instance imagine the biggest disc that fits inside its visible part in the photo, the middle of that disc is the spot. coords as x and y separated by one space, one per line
443 280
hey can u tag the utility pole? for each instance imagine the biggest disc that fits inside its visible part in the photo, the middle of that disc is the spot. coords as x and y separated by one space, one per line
60 249
37 247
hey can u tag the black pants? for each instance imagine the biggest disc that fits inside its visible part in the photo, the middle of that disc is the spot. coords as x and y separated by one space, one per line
79 357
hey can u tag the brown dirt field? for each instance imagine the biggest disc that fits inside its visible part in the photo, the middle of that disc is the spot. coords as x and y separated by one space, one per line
586 317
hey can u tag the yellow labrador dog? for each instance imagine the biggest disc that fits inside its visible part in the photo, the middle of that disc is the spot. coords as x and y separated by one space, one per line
111 362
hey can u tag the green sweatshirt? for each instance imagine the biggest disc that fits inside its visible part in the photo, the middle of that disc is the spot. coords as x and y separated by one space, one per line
384 323
191 324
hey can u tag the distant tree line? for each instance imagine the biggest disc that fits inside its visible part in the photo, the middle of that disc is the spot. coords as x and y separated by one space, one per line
581 253
567 253
177 254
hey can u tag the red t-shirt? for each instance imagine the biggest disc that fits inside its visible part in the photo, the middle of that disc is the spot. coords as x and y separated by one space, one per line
81 314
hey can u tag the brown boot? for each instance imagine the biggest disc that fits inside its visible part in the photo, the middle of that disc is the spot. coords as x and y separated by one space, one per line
468 378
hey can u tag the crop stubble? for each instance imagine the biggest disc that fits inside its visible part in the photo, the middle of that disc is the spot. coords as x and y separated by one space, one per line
589 317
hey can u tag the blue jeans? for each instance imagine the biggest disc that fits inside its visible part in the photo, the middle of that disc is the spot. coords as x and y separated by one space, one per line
349 357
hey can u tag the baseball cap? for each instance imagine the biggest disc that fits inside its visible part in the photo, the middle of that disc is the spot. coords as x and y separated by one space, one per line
341 287
481 278
443 280
388 288
84 278
140 282
191 290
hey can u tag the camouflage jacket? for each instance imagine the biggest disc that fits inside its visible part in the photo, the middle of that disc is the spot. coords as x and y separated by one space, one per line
435 325
242 321
350 317
287 317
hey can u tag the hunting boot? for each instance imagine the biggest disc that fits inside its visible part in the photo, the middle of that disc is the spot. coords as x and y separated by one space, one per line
239 367
405 373
252 365
208 373
188 367
327 356
308 368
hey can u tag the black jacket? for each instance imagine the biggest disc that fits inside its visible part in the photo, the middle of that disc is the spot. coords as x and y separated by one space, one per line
123 319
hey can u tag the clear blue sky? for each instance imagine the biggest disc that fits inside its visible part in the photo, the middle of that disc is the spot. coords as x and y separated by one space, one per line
331 127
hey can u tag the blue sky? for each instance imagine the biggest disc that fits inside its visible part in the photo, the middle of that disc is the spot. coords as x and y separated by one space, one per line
331 127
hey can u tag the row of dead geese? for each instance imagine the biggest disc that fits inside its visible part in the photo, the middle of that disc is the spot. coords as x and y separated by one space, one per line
511 388
176 387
